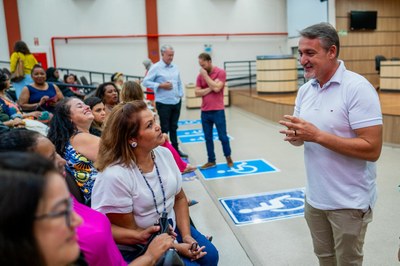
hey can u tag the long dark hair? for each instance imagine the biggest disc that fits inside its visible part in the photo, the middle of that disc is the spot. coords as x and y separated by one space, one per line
21 47
61 127
22 185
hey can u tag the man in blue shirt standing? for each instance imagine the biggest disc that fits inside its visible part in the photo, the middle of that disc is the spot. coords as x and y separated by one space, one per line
164 78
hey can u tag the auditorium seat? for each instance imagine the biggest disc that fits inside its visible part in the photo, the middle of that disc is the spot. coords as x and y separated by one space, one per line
378 60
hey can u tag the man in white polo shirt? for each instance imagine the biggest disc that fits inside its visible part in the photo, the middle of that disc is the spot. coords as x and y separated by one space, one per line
338 118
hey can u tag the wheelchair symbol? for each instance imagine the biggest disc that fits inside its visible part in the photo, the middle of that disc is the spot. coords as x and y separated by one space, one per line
276 205
196 139
241 168
193 132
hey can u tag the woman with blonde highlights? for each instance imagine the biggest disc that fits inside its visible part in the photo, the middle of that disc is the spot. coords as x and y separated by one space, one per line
138 181
132 91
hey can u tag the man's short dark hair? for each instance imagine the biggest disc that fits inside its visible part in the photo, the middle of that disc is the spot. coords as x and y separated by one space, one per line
205 57
325 32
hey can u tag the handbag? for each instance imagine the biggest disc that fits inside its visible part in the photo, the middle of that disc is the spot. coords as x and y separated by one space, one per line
19 73
170 257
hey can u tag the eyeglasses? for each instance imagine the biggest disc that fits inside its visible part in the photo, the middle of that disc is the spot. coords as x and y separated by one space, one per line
67 213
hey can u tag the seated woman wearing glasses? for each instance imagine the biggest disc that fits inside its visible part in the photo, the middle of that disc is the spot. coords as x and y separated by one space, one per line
138 181
94 234
38 226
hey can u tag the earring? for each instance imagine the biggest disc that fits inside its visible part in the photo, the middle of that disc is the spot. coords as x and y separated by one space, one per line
134 144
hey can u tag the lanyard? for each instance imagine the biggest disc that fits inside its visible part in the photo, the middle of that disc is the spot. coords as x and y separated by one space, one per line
151 190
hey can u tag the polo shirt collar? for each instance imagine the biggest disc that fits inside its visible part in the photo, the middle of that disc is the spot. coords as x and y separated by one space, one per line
336 78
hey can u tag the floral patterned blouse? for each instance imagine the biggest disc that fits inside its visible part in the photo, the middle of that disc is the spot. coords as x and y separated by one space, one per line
82 169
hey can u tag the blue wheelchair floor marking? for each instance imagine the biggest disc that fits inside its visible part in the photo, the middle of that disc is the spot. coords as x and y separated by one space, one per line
240 168
198 138
190 132
189 122
269 206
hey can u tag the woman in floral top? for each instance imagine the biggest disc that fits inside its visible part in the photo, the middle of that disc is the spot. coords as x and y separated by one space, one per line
69 131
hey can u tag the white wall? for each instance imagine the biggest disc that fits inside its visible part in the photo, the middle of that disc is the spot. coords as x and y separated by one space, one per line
84 18
221 16
48 18
301 14
4 54
304 13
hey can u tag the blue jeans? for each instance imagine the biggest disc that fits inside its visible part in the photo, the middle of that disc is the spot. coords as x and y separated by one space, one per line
208 119
210 259
169 116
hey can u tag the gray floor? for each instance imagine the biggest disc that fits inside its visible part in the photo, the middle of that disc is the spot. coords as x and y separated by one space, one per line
281 242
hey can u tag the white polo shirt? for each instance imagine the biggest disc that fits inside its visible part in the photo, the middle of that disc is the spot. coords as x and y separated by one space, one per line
345 103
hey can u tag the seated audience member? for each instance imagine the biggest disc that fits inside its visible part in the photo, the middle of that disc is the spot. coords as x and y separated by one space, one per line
118 79
72 79
138 180
39 95
99 113
94 235
132 91
24 140
109 95
53 75
11 109
10 93
69 131
37 223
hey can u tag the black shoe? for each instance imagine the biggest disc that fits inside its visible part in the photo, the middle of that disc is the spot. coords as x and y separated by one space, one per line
181 154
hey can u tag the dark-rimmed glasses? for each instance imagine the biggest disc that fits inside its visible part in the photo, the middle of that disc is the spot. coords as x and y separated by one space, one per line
67 213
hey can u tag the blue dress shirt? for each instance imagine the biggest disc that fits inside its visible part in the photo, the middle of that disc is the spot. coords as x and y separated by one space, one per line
159 73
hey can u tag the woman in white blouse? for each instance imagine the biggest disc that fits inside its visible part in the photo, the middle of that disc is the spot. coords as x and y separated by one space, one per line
139 180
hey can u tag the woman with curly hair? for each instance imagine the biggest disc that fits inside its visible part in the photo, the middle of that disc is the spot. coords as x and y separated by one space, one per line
69 131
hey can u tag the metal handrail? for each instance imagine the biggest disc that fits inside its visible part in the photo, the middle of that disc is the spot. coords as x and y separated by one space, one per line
89 72
240 70
103 74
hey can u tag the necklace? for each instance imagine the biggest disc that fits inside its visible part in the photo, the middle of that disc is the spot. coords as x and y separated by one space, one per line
151 190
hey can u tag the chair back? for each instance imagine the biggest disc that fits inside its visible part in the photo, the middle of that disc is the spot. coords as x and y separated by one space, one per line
378 60
84 81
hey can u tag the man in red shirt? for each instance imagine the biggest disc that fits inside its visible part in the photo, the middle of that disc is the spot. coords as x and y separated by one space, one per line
210 85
